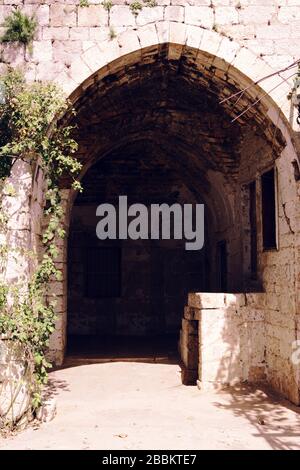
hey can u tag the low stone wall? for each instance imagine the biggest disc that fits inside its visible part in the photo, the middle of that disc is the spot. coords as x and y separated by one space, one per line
15 396
231 338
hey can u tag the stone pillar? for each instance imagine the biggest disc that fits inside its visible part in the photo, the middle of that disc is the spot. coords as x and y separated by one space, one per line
222 340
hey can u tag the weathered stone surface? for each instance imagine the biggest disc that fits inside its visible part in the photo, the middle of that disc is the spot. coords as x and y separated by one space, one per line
232 340
15 396
199 16
226 15
62 15
94 15
174 13
257 14
121 16
206 300
42 51
40 12
150 15
60 32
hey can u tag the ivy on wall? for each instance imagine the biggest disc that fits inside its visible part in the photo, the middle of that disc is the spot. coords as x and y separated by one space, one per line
29 131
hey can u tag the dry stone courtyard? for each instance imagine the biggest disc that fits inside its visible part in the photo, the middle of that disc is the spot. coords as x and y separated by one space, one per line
150 415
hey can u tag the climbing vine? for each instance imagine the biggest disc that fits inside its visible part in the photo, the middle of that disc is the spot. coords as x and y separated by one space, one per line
29 131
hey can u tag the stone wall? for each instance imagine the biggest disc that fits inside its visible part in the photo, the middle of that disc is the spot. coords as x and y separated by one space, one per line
15 383
70 38
232 338
65 29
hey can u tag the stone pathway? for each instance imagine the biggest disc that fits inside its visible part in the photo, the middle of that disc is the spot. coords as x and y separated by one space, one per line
133 405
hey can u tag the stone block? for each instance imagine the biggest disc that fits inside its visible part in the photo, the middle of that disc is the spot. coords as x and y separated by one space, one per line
162 28
150 15
227 51
235 300
42 51
256 299
199 16
40 12
174 13
64 51
79 70
129 42
193 36
226 15
148 36
93 58
287 14
206 300
63 15
5 11
257 14
60 32
121 15
79 33
94 15
274 31
251 314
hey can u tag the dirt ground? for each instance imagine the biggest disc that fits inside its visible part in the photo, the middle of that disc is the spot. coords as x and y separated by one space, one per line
136 405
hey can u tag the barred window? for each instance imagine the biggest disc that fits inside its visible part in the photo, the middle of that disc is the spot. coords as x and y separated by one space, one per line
268 195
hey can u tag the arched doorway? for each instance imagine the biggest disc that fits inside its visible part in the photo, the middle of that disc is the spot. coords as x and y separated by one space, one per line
154 129
174 93
127 296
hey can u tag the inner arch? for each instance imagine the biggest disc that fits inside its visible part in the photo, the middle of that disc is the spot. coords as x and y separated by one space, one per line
155 130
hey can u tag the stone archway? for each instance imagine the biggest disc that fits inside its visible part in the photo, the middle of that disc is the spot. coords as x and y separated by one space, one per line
208 65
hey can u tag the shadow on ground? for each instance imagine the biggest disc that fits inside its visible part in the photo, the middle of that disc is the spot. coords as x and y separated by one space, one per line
269 414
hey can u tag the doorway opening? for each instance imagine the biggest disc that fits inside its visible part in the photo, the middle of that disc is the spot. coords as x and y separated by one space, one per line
126 297
157 132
